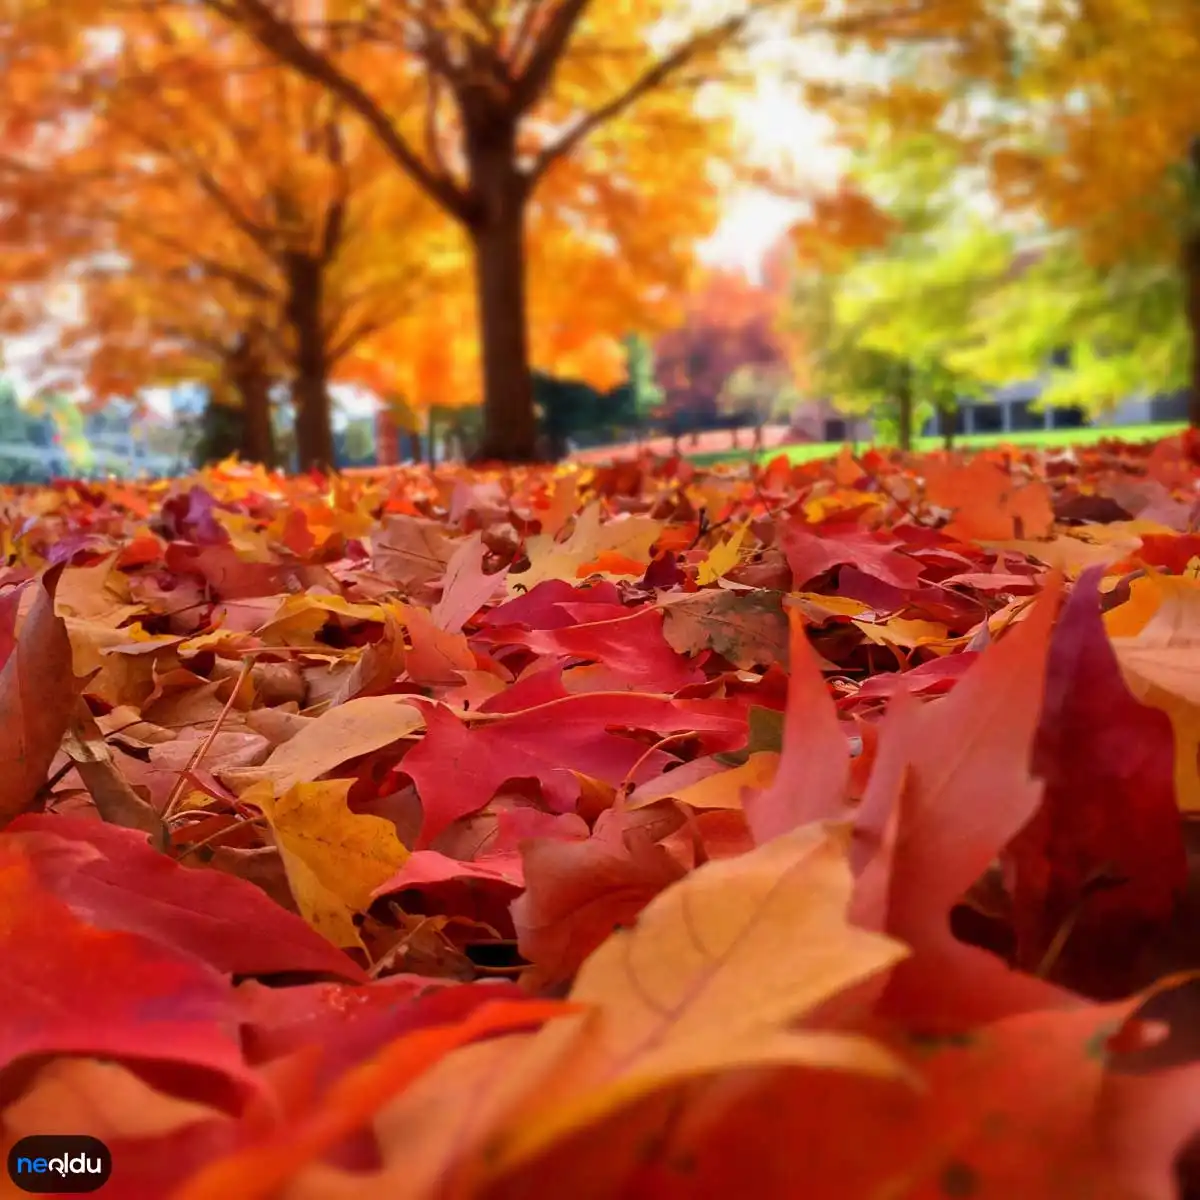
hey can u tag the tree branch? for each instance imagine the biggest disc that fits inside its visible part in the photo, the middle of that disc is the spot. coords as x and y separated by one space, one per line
530 85
525 25
279 37
433 146
646 82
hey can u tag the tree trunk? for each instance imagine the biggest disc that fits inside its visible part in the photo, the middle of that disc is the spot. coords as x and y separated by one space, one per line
510 432
250 380
1191 291
947 419
904 416
310 389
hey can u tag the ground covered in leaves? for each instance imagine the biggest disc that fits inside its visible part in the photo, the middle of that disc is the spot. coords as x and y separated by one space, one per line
638 831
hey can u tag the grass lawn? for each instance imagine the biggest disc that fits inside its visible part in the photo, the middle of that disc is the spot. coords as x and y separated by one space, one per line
808 451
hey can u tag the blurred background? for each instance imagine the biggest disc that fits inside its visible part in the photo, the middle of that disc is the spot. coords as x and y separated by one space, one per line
322 233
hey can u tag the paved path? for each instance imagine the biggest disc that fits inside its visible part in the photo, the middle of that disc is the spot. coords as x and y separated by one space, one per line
709 441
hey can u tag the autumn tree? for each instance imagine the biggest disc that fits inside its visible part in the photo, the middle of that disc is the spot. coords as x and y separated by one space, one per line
1107 147
729 323
505 114
240 218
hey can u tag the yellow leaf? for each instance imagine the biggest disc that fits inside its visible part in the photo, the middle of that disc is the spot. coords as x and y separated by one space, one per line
904 633
300 618
721 790
819 609
630 537
564 500
721 559
1068 554
97 594
725 961
338 735
820 507
1130 618
1160 662
251 543
334 859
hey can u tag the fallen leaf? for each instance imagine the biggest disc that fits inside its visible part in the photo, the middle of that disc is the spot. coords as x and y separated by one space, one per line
714 991
951 786
722 558
115 800
465 588
723 788
334 858
126 885
1103 856
578 892
352 729
814 764
1160 663
748 630
458 767
37 696
630 537
106 993
257 1172
810 556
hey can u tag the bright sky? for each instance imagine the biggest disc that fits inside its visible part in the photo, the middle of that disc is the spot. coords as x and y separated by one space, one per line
774 125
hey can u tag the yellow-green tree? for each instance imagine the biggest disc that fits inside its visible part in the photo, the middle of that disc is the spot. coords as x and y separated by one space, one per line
893 274
1096 336
1085 117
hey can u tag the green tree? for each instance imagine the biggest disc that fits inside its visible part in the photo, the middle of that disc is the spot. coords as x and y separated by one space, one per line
358 440
640 395
1096 336
13 420
888 317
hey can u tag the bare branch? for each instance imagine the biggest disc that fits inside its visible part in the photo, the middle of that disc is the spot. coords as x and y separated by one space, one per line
654 75
523 37
281 39
433 146
546 53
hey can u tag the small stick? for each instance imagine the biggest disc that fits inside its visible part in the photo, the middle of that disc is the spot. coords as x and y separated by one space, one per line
176 796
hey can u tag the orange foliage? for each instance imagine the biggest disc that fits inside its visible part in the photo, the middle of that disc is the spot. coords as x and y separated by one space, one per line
240 200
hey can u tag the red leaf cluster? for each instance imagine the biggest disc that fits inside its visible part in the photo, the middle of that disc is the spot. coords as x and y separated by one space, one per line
637 831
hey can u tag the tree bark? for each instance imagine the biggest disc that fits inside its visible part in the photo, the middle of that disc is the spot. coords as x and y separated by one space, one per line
1191 292
510 432
947 419
904 416
310 388
249 377
509 424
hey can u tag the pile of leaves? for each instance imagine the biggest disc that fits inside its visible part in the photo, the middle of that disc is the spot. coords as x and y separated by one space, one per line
631 831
